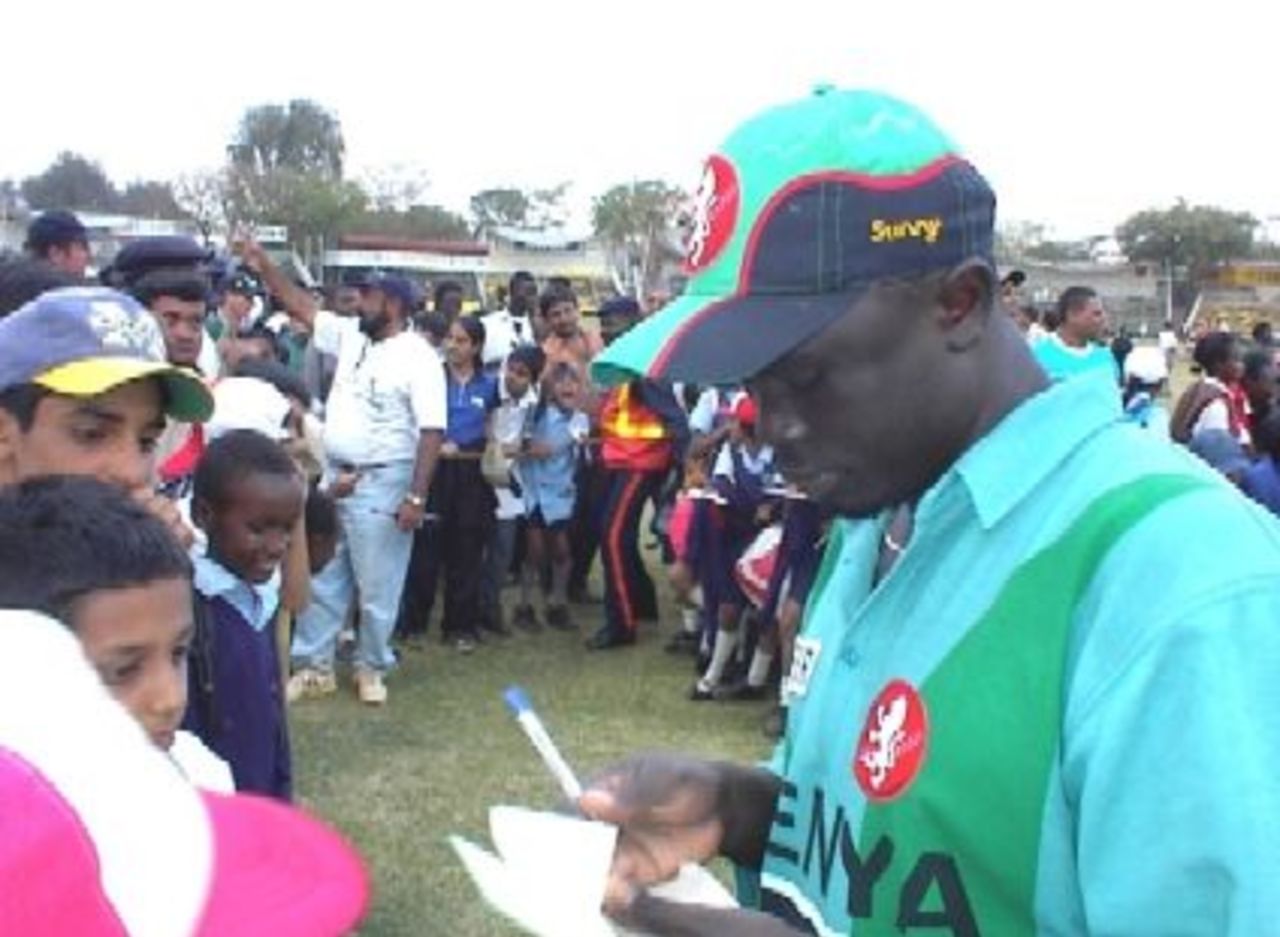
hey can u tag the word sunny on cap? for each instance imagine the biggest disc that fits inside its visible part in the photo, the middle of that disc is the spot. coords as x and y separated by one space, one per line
804 207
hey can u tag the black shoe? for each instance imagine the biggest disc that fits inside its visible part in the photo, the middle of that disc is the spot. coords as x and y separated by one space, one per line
495 628
683 642
526 619
742 692
604 640
558 618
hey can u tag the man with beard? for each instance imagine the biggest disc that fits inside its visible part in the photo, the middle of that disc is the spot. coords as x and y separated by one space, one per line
996 725
382 436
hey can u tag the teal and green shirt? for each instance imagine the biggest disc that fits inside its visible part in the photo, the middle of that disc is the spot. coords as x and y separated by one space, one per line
1059 713
1061 361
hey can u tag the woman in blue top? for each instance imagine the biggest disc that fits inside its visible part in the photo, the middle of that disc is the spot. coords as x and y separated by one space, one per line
461 503
555 430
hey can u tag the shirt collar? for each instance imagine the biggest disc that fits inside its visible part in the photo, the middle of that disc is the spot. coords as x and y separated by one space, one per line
1023 450
256 604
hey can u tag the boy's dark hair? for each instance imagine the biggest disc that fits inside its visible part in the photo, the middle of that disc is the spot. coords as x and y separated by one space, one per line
556 293
20 402
186 285
442 289
278 376
63 538
1267 436
321 514
532 357
435 324
260 332
520 276
236 456
1255 361
1073 298
1262 333
1214 350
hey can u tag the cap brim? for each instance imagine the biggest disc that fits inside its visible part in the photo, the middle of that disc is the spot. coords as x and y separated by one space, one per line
279 872
718 341
187 398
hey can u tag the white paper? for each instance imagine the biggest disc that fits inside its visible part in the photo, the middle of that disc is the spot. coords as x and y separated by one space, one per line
550 873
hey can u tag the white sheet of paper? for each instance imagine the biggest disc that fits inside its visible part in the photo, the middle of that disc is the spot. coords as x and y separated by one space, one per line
550 872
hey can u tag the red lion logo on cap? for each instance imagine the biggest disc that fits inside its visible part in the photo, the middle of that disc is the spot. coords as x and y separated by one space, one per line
715 212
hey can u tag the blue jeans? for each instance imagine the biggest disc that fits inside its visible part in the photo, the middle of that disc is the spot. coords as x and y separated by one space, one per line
500 551
371 561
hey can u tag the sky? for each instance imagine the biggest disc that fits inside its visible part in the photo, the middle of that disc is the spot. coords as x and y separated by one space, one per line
1079 113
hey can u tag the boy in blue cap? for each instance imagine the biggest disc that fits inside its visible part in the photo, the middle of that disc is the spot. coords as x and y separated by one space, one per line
85 389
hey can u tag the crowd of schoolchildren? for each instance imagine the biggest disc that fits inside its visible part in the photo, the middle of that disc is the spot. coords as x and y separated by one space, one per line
167 494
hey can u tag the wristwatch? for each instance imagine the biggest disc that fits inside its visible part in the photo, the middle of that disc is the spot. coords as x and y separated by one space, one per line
416 500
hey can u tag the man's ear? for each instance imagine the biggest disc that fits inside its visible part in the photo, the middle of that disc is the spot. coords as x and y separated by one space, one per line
966 301
10 439
201 513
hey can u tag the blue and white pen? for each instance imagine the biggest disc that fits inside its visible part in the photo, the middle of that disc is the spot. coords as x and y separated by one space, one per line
518 701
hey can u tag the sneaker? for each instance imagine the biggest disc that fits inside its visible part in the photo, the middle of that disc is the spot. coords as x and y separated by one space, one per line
558 618
308 683
464 644
526 619
370 688
702 692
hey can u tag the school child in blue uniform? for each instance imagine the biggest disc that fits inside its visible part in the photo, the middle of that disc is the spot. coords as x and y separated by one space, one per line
742 470
555 430
247 498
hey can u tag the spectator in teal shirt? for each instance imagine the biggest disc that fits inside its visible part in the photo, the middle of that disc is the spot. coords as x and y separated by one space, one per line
1075 346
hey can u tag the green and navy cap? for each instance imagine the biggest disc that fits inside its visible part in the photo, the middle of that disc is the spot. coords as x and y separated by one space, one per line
802 209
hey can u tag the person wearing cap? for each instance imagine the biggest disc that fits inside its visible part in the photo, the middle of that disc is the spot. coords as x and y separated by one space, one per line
60 239
996 724
102 835
85 389
643 435
146 254
1075 345
382 437
512 326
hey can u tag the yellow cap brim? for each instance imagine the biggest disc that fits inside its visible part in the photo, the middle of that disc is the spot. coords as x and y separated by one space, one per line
187 399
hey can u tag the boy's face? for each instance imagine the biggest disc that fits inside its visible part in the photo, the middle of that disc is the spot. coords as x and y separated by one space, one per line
249 534
182 322
111 437
137 639
517 379
562 319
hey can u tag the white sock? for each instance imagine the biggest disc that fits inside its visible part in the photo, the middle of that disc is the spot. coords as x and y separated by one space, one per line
726 642
690 616
759 672
695 596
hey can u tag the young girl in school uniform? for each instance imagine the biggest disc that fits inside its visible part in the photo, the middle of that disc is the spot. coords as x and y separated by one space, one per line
555 430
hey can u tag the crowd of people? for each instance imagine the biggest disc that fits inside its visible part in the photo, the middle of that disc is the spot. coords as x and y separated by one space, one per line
223 482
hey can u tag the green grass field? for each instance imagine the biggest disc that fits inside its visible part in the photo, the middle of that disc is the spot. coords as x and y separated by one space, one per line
398 780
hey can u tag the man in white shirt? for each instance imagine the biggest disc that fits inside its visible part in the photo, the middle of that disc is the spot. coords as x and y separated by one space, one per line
509 328
386 417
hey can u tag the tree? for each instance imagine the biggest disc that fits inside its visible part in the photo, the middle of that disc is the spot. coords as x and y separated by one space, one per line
72 181
204 197
300 137
546 206
636 221
150 199
423 222
502 206
1191 237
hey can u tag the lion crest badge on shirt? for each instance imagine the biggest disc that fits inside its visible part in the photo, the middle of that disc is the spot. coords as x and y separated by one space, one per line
893 744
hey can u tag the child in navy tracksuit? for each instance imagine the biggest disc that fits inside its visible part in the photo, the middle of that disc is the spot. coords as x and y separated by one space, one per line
247 498
742 471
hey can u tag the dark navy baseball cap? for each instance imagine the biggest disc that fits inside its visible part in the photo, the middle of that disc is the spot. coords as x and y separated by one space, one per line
141 256
402 288
55 229
804 207
83 341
